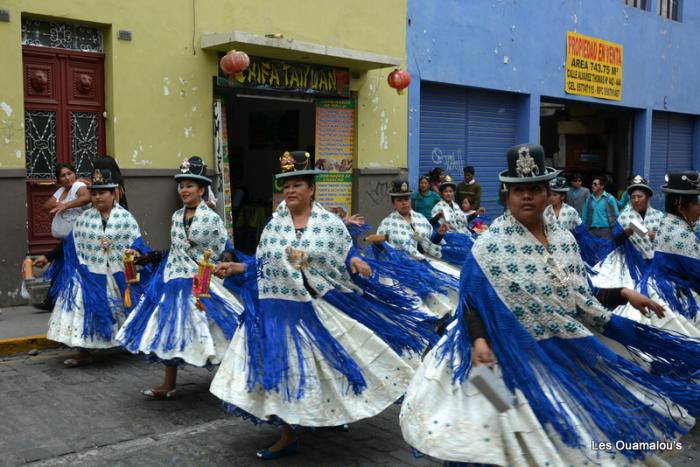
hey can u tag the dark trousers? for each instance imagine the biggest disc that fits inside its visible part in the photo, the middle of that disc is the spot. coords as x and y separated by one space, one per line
601 232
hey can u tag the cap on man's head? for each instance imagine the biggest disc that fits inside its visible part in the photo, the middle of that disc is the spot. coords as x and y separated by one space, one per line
469 169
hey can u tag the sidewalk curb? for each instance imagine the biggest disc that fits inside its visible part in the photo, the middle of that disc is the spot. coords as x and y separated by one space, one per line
15 345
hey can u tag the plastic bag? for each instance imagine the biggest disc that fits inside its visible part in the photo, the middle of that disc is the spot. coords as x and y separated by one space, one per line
62 224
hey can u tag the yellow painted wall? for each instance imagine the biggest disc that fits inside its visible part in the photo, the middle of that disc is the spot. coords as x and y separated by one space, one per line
158 87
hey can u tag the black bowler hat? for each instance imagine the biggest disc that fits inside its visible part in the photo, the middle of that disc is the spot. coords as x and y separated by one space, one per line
193 169
447 181
399 188
296 164
682 183
639 183
526 165
103 179
558 184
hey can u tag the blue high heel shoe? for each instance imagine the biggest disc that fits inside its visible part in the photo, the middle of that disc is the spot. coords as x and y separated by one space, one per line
288 450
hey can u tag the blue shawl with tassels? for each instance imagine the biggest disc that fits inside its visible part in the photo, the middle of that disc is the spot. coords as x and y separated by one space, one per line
419 234
91 252
171 287
675 270
537 310
284 316
637 250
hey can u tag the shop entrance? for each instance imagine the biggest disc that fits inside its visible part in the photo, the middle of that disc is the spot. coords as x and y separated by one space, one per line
588 138
260 128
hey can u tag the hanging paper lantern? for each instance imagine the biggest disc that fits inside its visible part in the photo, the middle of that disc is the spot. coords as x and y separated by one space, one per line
234 62
399 79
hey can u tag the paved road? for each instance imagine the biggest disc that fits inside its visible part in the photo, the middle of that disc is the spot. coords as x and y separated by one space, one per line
53 416
20 321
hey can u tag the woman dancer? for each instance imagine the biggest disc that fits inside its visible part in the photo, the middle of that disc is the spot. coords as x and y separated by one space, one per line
448 211
593 249
312 350
567 399
675 269
428 266
88 281
169 324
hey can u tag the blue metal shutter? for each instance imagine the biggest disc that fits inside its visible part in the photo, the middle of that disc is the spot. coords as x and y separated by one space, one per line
490 132
461 126
443 123
680 143
671 149
659 156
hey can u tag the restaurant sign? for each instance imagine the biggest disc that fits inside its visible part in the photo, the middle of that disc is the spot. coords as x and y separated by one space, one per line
278 75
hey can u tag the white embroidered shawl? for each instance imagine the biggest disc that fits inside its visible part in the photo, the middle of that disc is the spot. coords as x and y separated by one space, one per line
652 220
546 290
325 241
207 231
568 216
675 236
121 232
453 215
407 237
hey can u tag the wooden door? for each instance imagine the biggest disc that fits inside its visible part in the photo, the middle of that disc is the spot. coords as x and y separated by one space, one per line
63 118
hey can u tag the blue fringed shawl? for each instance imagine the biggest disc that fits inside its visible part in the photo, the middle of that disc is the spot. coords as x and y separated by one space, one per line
85 262
284 316
534 320
675 270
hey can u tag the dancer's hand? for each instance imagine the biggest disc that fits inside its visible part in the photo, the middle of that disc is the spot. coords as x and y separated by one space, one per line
226 269
355 219
359 266
132 252
642 303
481 352
443 229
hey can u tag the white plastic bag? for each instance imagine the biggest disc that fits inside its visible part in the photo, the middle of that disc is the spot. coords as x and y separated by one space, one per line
24 292
62 224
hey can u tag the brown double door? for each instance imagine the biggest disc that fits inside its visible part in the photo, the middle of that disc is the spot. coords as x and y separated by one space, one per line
63 122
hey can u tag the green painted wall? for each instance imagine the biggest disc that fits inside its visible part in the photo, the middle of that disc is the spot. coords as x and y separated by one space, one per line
158 87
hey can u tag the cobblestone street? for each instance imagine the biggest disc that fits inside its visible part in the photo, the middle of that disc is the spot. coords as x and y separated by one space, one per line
95 416
53 416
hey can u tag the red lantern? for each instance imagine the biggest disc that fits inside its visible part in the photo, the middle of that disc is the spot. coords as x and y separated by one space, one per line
234 62
399 79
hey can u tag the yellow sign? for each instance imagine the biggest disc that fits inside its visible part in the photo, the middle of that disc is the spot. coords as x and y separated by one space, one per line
593 67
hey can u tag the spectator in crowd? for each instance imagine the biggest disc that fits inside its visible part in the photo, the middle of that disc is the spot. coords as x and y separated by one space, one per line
600 210
68 202
625 195
424 199
469 188
435 177
578 195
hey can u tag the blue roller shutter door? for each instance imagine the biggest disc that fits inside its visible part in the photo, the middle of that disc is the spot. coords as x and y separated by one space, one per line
491 131
461 126
443 128
671 149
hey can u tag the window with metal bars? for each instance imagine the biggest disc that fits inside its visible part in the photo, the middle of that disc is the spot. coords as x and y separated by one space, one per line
669 9
641 4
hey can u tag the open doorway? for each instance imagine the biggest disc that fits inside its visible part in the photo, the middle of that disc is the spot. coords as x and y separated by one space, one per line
260 128
588 138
